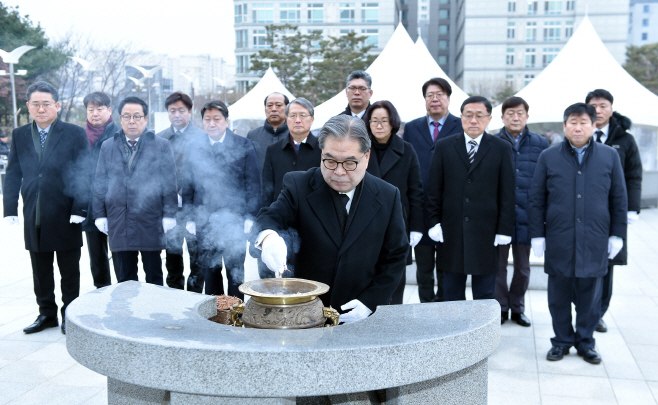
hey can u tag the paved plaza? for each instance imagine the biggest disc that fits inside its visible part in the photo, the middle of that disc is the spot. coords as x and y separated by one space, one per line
36 369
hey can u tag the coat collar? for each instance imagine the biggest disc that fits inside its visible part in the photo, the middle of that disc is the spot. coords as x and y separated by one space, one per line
55 134
269 128
483 148
311 141
391 156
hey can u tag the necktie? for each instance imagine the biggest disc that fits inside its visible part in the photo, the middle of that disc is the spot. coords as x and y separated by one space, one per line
342 210
599 134
435 134
132 144
42 137
471 152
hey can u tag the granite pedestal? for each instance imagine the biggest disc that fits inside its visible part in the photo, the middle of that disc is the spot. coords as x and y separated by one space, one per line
156 346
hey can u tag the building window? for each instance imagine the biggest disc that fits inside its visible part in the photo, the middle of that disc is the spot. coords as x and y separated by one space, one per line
241 39
345 32
645 22
444 29
511 30
530 57
241 13
259 39
531 31
552 30
571 6
242 64
509 61
444 14
423 16
443 45
372 37
315 13
549 55
568 30
646 8
290 13
443 60
511 6
510 80
528 79
346 12
532 7
263 13
369 12
242 86
553 7
645 36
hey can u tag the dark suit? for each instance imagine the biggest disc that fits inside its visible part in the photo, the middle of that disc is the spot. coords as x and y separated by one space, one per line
473 203
418 134
368 262
54 185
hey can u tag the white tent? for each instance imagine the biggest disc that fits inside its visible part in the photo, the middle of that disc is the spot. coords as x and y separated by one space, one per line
250 106
398 75
584 64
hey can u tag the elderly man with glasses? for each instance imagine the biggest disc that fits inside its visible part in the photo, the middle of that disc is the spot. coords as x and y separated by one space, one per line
358 90
135 198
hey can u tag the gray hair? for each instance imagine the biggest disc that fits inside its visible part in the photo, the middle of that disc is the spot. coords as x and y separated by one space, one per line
359 74
345 127
304 103
42 87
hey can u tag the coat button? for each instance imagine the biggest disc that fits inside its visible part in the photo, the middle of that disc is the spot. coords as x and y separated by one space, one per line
40 175
578 195
577 219
518 153
517 170
466 219
468 181
579 172
468 199
294 163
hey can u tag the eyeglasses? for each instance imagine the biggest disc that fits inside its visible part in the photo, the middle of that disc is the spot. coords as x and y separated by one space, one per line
39 106
377 123
127 118
300 115
431 96
478 117
348 165
353 89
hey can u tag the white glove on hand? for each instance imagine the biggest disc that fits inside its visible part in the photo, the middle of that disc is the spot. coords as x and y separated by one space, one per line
436 233
12 220
76 219
248 223
168 224
358 312
180 201
502 240
538 246
191 227
101 224
414 238
275 253
632 217
615 243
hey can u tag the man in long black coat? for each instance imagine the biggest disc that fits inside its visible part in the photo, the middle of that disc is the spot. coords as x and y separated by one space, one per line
423 133
350 224
470 203
577 216
48 166
612 130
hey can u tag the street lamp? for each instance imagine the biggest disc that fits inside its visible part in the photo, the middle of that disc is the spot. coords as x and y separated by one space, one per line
139 83
11 58
148 75
90 67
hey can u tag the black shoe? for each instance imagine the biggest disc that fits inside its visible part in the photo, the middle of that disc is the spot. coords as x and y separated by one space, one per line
521 319
503 317
590 356
64 327
42 323
557 353
601 327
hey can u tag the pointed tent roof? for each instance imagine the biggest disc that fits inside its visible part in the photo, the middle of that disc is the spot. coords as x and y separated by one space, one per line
398 75
245 108
571 75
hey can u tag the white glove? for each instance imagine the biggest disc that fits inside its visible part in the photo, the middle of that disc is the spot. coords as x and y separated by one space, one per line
358 312
191 227
101 224
180 201
615 243
414 238
275 253
502 240
632 217
168 224
12 220
76 219
538 246
436 234
248 223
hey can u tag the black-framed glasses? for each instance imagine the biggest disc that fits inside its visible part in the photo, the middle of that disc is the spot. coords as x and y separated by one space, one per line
353 89
348 165
127 118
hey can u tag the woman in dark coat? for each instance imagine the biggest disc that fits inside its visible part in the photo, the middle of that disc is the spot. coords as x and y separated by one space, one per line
396 162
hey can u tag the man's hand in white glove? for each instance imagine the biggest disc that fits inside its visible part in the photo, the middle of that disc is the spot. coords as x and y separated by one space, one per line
436 233
168 224
414 238
275 253
358 312
101 224
76 219
632 217
538 246
191 227
502 240
248 223
615 243
12 220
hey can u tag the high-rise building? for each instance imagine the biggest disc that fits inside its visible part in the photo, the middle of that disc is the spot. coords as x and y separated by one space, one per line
643 22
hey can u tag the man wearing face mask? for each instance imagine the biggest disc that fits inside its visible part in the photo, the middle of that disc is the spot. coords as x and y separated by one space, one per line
274 129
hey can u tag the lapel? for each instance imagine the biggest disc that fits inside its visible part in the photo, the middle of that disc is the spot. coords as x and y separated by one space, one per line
392 155
460 146
55 135
368 206
322 205
484 147
424 130
449 125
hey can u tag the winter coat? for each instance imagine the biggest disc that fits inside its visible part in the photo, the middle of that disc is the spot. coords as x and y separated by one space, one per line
577 207
526 153
179 145
134 200
263 137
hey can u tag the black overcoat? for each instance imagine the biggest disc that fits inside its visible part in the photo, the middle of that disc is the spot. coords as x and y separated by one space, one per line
472 202
60 181
368 264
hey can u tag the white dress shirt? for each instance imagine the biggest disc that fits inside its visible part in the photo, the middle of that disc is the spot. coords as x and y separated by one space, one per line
605 130
477 141
212 142
359 115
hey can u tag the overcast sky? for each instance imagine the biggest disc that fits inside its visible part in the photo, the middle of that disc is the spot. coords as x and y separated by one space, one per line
181 27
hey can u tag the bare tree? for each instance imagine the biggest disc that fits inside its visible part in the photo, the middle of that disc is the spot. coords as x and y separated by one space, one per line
112 72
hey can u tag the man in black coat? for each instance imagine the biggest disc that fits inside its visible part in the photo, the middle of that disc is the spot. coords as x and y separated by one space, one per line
135 193
180 134
612 130
48 166
423 133
358 89
221 196
578 217
470 203
274 128
350 224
